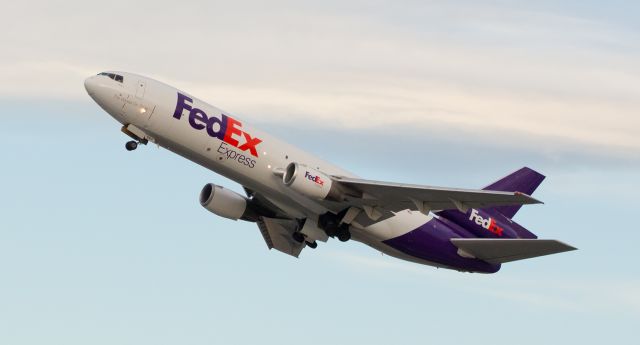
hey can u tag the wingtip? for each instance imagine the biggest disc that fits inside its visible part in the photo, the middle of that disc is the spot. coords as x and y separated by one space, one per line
569 247
566 247
529 198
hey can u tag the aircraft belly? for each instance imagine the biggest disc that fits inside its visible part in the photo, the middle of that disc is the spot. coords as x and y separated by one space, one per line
400 224
391 251
432 242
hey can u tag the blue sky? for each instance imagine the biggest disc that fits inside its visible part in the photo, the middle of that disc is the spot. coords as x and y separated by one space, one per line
102 246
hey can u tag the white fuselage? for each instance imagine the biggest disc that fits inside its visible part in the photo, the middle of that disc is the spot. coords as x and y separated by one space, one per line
230 147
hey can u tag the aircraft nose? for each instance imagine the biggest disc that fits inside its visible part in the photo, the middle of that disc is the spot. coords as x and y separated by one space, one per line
91 85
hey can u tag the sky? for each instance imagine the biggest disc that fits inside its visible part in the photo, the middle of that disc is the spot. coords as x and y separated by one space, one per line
103 246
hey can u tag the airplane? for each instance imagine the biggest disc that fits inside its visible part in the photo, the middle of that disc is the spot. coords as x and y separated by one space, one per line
298 200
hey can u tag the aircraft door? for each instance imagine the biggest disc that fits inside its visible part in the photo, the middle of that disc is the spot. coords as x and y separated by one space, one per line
141 88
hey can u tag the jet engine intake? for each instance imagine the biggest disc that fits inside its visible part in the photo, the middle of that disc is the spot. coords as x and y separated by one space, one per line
227 203
311 182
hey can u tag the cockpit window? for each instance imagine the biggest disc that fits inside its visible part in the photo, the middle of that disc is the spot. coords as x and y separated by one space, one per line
113 76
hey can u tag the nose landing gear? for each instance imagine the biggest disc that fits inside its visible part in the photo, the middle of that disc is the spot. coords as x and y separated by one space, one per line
138 136
131 145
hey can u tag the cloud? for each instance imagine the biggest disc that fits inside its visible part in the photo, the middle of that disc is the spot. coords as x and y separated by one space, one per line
42 79
510 74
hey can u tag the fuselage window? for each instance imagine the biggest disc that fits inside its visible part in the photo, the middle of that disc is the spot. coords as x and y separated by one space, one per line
113 76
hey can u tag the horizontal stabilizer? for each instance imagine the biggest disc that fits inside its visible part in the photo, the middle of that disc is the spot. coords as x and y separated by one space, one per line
497 251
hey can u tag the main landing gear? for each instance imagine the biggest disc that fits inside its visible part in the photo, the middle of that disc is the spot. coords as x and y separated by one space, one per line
344 234
331 225
131 145
299 237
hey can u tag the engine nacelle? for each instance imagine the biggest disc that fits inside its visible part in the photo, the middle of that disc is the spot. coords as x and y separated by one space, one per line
226 203
310 182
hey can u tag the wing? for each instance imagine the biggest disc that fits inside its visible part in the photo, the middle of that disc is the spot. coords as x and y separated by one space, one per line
378 198
505 250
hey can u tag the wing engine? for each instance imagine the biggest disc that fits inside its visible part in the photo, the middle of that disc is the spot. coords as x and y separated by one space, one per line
227 203
310 182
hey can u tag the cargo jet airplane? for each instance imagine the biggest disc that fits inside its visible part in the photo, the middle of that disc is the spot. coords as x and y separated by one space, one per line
298 200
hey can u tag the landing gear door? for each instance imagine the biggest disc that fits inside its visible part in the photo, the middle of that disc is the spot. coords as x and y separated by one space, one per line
141 88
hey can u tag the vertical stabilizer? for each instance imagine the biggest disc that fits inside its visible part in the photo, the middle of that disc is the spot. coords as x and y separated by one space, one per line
496 222
525 180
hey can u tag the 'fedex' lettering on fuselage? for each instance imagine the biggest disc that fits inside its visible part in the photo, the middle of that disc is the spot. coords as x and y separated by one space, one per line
224 128
488 223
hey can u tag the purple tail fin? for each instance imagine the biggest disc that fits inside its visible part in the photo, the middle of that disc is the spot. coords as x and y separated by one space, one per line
525 180
496 222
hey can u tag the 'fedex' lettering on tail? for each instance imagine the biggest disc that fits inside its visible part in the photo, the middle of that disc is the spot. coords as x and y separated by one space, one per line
488 223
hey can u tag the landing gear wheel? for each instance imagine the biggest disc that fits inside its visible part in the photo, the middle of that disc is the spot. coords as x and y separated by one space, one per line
331 232
329 223
312 245
298 237
344 235
131 145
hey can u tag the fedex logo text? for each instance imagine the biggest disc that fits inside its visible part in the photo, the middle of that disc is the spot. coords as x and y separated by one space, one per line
224 128
488 223
313 178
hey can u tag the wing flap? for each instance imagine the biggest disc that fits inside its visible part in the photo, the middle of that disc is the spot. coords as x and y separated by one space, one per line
505 250
277 235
